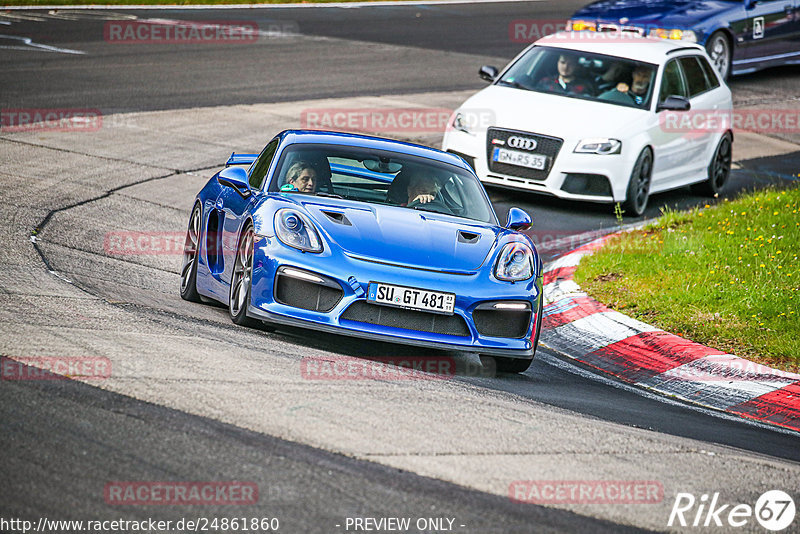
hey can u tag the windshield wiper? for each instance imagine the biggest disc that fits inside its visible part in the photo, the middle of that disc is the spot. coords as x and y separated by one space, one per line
328 195
515 84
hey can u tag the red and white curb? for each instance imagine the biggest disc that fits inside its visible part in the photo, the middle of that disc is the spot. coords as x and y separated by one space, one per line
585 330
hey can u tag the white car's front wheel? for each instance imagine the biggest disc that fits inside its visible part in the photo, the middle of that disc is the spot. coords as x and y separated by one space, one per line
639 185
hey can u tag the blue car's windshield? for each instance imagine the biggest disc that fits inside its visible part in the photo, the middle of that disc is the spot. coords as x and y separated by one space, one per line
381 177
583 75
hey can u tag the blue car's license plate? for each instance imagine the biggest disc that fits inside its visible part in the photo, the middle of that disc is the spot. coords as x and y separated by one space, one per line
411 298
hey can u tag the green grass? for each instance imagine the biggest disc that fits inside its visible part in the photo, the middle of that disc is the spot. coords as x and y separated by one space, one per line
725 276
34 3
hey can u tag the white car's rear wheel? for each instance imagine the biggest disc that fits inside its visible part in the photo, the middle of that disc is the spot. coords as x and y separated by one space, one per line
718 170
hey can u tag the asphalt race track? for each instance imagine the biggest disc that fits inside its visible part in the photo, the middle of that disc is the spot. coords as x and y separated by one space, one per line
191 397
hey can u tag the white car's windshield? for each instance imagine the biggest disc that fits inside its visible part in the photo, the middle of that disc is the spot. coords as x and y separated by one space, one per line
381 177
583 75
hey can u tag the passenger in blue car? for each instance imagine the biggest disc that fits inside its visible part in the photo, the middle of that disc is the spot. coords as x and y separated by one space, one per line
568 81
422 189
636 93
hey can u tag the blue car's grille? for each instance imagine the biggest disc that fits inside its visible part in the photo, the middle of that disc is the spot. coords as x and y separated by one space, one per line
361 311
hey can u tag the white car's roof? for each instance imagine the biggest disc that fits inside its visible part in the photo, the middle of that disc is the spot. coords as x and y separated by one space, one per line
628 46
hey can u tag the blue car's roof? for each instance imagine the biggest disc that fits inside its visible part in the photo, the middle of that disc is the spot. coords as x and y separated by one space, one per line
366 141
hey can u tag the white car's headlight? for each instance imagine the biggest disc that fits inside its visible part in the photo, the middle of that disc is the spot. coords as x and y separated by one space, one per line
515 263
295 230
599 146
674 34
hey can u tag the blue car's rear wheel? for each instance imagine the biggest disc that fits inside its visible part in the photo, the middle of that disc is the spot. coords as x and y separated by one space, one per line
241 279
191 251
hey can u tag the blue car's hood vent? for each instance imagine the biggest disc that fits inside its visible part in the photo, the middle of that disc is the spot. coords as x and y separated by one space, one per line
404 236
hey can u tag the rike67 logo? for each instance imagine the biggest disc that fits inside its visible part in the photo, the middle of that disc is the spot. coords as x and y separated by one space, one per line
774 510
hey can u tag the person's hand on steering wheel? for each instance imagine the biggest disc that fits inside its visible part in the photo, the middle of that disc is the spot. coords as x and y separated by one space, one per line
422 199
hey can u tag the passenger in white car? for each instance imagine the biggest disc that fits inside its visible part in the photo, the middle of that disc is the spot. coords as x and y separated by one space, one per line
636 92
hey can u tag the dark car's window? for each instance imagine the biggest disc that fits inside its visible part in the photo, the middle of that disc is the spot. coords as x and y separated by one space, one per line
381 177
591 76
695 77
672 82
261 166
711 75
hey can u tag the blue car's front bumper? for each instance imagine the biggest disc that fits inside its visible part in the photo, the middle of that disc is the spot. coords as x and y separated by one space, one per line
353 275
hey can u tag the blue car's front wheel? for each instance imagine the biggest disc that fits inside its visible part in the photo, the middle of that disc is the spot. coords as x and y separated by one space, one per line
241 279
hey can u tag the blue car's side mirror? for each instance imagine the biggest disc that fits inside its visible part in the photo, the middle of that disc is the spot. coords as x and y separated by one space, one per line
518 220
235 177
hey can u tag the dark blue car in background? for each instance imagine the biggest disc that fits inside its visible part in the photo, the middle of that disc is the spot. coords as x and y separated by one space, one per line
741 36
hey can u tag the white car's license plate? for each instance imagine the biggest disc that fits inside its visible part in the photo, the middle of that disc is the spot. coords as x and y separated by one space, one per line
521 159
411 297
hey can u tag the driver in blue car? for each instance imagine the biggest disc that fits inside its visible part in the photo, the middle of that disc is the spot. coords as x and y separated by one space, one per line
636 93
301 176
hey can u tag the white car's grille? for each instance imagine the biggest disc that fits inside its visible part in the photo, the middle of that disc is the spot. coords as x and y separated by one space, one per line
544 145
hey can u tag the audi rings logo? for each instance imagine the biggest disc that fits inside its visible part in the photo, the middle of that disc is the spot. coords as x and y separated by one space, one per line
523 143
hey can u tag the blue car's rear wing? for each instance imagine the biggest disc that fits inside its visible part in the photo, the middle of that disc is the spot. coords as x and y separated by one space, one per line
240 159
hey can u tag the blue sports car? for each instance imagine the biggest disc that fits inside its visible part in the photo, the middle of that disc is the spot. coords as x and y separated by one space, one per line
366 237
741 36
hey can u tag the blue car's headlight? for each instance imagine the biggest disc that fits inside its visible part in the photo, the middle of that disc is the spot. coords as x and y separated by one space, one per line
295 230
515 263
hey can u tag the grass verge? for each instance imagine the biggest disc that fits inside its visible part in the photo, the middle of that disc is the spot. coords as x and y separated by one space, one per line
725 276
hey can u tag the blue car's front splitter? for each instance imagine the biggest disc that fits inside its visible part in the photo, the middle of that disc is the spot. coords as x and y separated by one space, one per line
353 276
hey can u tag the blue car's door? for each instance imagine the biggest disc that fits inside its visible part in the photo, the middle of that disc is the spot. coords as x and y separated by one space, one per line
236 207
772 29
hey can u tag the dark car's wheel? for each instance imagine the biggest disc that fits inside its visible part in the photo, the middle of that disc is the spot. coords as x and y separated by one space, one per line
639 185
719 50
191 252
241 279
718 170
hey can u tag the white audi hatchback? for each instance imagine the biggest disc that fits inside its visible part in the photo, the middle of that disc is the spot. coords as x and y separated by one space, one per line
600 118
